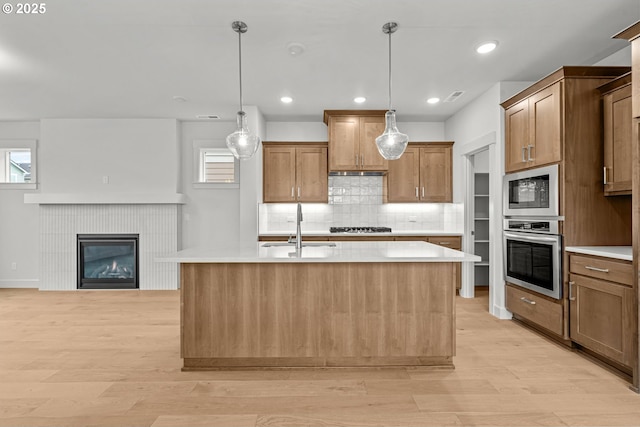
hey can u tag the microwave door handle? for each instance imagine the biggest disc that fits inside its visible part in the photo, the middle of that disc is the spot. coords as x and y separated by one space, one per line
530 238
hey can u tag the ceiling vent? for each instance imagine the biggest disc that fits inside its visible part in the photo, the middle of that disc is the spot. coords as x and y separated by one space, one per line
208 116
454 96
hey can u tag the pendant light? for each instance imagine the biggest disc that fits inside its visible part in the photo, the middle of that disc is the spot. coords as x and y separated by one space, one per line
242 143
392 143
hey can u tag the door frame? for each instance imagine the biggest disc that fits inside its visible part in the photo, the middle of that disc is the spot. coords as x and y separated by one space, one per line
496 277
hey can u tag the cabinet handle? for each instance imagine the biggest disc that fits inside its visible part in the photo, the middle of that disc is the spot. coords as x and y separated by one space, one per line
292 194
417 196
523 150
571 297
527 300
529 147
605 175
356 160
423 192
298 192
601 270
444 243
362 160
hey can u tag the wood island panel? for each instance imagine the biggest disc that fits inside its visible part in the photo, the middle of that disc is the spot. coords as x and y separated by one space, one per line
317 314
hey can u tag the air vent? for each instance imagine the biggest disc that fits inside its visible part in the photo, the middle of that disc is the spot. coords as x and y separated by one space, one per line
454 96
208 116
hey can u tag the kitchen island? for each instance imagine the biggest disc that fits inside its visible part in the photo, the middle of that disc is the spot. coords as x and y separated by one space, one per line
351 304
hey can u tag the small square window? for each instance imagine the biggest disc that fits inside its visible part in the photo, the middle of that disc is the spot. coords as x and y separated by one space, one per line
17 164
214 166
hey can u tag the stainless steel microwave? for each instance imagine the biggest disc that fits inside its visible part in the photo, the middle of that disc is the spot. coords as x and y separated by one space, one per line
532 193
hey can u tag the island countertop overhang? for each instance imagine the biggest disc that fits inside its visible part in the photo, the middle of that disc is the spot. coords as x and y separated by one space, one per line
343 252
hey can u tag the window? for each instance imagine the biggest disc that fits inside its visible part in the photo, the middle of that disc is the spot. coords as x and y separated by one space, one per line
17 164
214 167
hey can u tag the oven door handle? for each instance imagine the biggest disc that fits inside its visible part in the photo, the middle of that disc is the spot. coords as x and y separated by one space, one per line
522 236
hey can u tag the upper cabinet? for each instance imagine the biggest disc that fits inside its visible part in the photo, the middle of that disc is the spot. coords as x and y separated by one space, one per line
533 130
352 140
295 172
618 134
422 174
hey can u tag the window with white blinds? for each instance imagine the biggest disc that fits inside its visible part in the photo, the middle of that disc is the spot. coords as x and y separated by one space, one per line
217 167
214 166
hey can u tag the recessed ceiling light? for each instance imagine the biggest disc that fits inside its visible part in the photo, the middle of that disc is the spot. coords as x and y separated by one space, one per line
295 49
433 100
359 99
286 99
486 47
179 98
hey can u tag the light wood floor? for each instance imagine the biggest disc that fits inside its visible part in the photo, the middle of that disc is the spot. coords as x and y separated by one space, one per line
111 358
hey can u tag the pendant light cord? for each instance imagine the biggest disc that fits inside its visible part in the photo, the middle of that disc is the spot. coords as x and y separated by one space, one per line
240 64
389 70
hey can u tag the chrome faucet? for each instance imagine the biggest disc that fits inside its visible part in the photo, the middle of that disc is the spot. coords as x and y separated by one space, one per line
298 240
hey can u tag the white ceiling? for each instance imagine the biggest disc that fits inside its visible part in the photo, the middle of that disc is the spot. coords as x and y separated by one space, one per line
129 58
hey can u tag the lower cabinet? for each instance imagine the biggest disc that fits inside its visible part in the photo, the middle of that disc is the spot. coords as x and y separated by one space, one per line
601 306
537 309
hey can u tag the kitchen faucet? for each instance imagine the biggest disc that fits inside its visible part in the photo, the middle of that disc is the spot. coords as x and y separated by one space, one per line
298 230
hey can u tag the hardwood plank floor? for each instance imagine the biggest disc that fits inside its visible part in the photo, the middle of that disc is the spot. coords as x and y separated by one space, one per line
112 358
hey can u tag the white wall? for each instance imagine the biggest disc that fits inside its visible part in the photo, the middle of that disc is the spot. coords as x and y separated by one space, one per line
18 222
479 122
137 156
210 216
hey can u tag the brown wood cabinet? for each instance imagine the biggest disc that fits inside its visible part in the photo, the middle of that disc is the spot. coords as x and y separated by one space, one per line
533 130
352 140
295 172
536 309
618 134
601 304
422 174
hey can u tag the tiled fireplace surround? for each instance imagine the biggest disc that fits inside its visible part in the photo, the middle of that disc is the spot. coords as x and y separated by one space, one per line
60 224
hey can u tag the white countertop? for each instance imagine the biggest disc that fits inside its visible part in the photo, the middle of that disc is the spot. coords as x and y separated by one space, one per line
326 232
342 252
617 252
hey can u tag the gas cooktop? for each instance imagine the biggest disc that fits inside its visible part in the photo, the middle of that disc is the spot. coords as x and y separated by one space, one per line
360 230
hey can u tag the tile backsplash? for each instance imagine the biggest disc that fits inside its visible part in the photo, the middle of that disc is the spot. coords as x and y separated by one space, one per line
318 217
355 190
357 201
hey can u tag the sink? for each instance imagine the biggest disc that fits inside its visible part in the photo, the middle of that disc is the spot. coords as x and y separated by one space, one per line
304 244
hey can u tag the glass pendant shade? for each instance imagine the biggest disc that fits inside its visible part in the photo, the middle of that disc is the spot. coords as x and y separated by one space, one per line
242 143
392 143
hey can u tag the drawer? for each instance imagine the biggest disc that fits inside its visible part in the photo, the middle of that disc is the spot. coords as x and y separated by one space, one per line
602 268
453 242
538 310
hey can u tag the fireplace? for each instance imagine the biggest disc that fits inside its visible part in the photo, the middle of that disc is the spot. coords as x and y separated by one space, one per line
108 261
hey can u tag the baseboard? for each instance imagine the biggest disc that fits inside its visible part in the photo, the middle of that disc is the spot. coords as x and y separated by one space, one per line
20 283
501 313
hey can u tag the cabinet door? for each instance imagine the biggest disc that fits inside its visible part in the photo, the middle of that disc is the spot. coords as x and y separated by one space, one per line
435 174
344 140
635 76
601 314
279 174
618 130
370 158
545 126
403 179
311 175
517 136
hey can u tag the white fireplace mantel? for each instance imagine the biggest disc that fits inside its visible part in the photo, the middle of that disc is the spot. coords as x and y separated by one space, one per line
105 199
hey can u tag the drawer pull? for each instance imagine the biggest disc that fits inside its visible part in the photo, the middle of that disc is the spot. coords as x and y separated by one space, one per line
527 300
601 270
444 243
571 297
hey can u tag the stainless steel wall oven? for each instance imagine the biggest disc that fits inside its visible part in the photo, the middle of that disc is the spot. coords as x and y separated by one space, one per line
533 255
